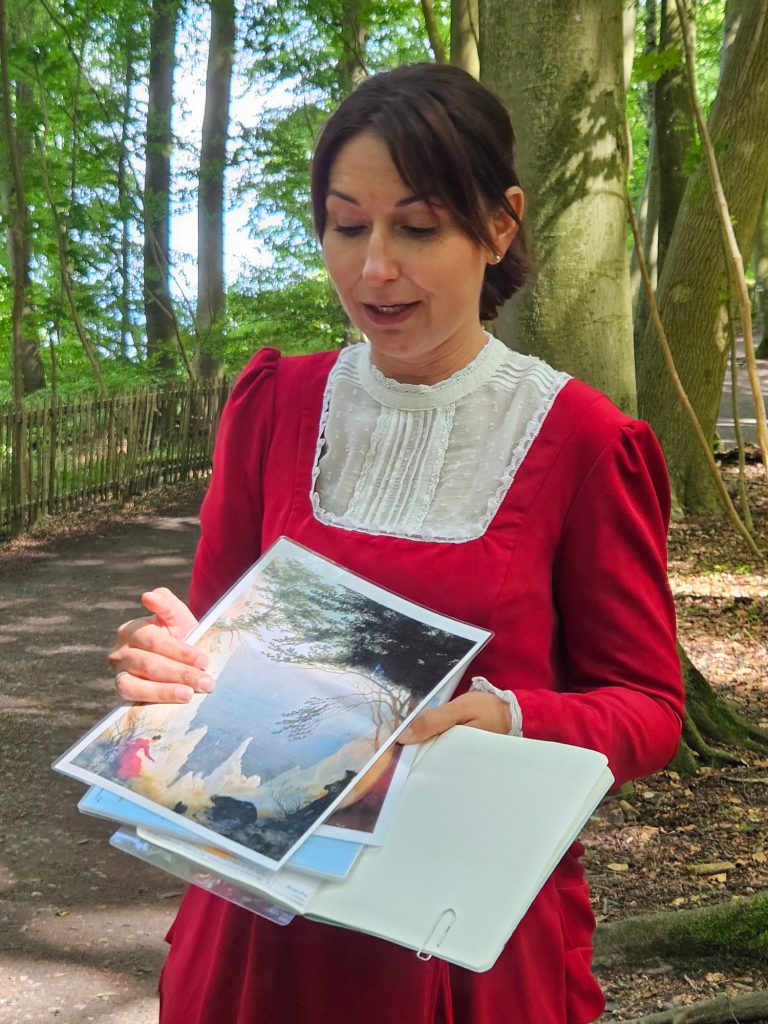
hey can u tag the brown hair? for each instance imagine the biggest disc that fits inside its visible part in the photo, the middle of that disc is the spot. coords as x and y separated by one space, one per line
451 140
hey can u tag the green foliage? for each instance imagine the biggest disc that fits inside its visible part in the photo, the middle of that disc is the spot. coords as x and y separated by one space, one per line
302 315
649 67
79 86
650 64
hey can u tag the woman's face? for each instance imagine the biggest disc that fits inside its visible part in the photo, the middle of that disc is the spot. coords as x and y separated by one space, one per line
407 275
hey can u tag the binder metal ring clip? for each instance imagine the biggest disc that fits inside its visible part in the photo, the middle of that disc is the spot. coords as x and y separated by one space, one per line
437 935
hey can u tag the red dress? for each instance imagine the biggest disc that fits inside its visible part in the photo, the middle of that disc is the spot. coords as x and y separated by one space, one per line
570 576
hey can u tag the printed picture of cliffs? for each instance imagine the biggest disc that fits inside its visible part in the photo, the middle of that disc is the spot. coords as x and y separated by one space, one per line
317 671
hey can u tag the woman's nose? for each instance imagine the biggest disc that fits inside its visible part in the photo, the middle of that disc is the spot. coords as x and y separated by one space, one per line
380 260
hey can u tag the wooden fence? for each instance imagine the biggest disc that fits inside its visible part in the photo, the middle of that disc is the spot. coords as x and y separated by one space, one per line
73 455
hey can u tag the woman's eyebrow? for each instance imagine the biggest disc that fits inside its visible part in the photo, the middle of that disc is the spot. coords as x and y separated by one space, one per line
407 201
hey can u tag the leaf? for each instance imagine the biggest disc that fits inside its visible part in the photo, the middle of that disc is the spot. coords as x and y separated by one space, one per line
618 866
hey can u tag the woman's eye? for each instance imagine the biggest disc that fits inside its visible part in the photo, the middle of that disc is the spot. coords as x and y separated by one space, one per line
350 230
419 232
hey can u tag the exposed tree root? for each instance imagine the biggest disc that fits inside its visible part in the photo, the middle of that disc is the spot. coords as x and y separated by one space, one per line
753 1006
710 721
739 928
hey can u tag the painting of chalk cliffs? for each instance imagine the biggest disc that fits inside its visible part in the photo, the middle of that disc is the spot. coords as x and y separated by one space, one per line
317 672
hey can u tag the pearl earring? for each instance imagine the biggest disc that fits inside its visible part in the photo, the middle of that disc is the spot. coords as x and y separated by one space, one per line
498 258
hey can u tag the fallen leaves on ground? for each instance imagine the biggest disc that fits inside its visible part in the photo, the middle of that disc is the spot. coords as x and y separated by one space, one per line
678 843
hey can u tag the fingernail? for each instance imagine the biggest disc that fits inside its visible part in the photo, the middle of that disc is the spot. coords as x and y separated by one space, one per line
184 693
206 684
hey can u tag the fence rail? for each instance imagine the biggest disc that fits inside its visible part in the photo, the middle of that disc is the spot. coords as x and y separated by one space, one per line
57 457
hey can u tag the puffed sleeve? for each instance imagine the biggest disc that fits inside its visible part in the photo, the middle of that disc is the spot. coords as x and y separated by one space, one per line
617 619
231 514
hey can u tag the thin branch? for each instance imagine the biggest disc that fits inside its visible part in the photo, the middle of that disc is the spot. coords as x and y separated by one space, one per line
732 246
169 309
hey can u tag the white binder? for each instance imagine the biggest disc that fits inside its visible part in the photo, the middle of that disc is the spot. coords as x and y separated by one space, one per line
482 822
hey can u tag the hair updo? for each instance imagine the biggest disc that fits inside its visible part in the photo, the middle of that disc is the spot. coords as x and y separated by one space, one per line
451 141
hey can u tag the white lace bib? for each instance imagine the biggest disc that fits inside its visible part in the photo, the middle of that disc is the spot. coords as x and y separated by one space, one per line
427 462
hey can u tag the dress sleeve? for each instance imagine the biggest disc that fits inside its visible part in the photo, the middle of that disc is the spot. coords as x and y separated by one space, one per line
231 514
617 618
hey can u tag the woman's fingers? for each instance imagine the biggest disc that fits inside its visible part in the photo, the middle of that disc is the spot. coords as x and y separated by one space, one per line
151 660
479 710
131 688
144 635
170 611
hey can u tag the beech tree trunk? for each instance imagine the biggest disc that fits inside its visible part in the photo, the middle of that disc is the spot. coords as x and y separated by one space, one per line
675 132
694 279
351 67
123 198
210 208
465 35
647 211
15 148
16 233
567 107
761 282
433 33
158 308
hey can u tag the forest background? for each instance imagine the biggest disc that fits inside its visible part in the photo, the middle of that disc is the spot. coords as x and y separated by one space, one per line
101 287
642 145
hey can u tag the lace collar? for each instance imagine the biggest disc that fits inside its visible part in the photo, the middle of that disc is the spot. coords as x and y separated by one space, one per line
396 395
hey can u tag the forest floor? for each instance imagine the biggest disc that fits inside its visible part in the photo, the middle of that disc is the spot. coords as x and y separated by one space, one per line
659 848
81 925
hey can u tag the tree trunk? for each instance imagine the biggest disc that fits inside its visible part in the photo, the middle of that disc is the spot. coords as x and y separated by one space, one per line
351 69
465 35
433 32
761 282
734 9
648 205
673 134
16 234
694 281
123 198
14 206
210 208
710 721
674 127
567 105
158 309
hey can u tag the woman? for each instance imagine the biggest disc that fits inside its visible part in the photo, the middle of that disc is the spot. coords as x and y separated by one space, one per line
477 481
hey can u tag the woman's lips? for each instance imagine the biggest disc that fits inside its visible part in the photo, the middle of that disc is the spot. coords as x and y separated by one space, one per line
389 313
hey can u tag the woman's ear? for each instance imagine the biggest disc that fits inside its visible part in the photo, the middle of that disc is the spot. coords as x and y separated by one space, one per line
504 226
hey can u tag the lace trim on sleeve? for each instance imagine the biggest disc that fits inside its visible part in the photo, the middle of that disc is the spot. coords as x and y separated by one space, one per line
481 685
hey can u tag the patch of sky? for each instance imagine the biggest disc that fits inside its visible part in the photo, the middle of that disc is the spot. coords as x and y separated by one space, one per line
249 100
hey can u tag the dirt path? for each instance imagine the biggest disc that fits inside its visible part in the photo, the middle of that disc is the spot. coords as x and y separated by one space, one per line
81 925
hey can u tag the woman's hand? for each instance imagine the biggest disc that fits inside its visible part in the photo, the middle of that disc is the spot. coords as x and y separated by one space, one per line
152 663
480 710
